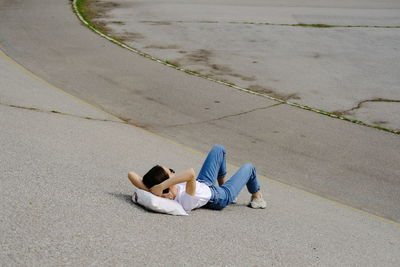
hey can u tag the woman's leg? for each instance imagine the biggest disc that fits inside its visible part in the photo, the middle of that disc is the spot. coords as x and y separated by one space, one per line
245 176
214 166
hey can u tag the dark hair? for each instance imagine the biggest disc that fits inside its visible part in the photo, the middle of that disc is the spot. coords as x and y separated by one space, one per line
154 176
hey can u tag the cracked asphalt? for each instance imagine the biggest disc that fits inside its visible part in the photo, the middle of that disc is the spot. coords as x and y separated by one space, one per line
325 156
51 111
350 48
64 196
225 117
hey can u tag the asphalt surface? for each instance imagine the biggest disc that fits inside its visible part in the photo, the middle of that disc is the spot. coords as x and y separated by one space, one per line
65 199
335 159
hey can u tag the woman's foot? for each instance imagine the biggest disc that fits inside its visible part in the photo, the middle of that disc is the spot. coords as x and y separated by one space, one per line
257 203
234 201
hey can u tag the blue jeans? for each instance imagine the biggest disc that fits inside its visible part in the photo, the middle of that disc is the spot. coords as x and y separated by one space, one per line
214 167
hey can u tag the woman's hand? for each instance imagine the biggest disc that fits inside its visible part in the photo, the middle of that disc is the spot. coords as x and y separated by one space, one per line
157 190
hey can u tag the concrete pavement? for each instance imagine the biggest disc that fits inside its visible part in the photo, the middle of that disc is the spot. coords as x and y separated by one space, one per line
65 198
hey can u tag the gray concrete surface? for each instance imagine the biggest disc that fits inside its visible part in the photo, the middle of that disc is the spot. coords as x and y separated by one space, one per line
338 160
65 199
333 69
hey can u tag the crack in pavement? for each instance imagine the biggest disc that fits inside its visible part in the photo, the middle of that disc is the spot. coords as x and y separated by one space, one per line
315 25
83 18
359 105
224 117
57 112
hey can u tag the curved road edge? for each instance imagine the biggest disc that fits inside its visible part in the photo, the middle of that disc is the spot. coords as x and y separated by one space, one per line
92 26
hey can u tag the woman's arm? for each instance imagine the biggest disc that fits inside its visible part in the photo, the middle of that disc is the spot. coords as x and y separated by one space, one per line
187 176
136 180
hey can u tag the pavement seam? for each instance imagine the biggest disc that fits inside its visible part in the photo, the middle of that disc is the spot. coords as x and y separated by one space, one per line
187 148
194 73
224 117
32 75
58 112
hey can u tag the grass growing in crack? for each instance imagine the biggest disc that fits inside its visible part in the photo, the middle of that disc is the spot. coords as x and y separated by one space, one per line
230 84
28 108
192 72
83 7
315 25
172 63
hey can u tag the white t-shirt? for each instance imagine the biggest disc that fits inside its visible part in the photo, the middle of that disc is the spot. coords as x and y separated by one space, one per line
188 202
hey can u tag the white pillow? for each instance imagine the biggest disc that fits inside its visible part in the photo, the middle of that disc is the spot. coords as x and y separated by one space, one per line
158 204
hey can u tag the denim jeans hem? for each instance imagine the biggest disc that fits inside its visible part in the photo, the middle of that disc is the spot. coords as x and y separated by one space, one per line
222 176
258 189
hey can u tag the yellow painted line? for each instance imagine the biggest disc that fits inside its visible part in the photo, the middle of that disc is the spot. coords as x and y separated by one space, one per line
22 68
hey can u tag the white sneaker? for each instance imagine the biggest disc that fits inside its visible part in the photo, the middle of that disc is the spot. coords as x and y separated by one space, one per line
234 201
257 203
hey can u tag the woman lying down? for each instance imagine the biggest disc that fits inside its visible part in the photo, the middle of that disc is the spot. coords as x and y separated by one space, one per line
194 193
